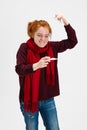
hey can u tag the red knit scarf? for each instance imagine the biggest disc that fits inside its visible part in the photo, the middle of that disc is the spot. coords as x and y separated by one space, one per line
31 86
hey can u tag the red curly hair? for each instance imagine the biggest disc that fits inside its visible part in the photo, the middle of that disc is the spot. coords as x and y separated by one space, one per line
35 25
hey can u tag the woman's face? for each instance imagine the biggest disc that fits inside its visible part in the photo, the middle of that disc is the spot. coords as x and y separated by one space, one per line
41 37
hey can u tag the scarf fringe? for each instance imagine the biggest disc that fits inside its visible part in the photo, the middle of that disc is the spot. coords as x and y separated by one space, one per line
33 107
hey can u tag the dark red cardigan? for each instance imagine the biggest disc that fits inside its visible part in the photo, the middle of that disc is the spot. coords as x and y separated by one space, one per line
22 69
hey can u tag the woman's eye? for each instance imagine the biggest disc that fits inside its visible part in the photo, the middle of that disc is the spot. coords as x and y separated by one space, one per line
47 36
39 35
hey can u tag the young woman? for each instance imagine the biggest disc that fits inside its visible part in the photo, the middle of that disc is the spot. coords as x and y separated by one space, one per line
36 66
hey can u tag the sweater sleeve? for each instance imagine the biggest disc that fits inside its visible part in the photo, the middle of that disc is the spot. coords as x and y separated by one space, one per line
68 43
21 67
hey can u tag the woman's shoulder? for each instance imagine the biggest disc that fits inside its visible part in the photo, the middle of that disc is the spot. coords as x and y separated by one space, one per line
23 47
53 43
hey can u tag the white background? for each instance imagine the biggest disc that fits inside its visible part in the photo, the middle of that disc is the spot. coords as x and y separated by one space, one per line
72 103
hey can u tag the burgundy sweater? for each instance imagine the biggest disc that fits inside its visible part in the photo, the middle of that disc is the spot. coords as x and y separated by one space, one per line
22 68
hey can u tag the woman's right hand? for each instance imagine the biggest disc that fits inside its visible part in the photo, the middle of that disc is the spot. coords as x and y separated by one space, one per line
43 62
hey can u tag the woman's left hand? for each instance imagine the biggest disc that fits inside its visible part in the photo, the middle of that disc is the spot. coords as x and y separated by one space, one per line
61 18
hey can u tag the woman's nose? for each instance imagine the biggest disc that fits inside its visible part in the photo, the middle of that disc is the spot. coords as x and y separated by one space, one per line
42 38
